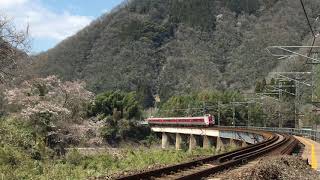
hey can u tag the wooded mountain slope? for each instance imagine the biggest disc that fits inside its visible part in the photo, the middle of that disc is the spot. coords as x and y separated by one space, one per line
171 47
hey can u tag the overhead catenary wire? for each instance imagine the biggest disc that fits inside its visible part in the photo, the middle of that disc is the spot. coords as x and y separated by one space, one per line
305 13
208 107
309 24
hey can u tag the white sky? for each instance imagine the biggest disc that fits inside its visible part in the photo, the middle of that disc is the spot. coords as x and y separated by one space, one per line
44 24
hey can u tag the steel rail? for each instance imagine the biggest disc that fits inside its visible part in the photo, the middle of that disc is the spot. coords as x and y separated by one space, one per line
273 144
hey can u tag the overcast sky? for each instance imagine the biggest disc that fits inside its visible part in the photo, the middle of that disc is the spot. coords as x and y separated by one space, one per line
51 21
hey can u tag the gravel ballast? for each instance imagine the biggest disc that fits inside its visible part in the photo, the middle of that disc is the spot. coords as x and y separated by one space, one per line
275 168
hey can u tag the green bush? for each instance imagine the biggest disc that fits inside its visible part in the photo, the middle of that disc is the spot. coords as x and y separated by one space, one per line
108 133
239 6
16 133
10 156
111 102
196 13
74 157
119 110
149 140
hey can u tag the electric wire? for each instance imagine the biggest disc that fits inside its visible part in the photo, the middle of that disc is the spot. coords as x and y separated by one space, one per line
309 24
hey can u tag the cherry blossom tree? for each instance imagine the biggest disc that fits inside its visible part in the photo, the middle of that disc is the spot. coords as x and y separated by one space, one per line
13 47
48 102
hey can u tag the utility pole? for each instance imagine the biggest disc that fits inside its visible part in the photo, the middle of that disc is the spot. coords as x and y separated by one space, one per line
248 123
234 113
205 109
280 93
296 106
219 115
247 103
314 64
188 110
297 78
315 69
310 56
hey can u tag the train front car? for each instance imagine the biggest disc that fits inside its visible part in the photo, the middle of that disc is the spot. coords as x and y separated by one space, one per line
211 120
206 120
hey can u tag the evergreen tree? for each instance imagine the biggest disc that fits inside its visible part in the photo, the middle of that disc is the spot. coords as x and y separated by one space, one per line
144 95
239 6
258 88
272 81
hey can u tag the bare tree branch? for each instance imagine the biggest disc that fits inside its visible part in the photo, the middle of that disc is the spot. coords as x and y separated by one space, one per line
13 46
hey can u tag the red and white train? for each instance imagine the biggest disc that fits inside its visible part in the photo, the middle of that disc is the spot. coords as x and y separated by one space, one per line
206 120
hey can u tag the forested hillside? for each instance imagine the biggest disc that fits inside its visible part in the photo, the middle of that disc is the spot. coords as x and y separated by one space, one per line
171 47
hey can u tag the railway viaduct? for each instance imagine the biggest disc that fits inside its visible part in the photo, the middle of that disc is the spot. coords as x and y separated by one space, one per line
263 142
205 137
219 137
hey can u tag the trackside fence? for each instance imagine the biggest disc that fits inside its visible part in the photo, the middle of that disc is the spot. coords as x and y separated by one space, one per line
312 134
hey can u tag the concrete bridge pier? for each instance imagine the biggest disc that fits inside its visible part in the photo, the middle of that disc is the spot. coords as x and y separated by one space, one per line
178 141
192 142
214 141
237 143
165 141
233 143
220 144
244 144
207 144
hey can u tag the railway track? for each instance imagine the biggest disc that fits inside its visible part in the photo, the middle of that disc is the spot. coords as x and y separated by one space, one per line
274 144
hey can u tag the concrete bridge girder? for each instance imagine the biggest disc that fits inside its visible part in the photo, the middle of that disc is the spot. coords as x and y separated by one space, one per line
210 137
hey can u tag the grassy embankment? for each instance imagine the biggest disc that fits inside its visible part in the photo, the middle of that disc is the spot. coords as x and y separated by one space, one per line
16 164
24 156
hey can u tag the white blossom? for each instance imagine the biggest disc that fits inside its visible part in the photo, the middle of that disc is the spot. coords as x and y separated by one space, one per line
49 95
